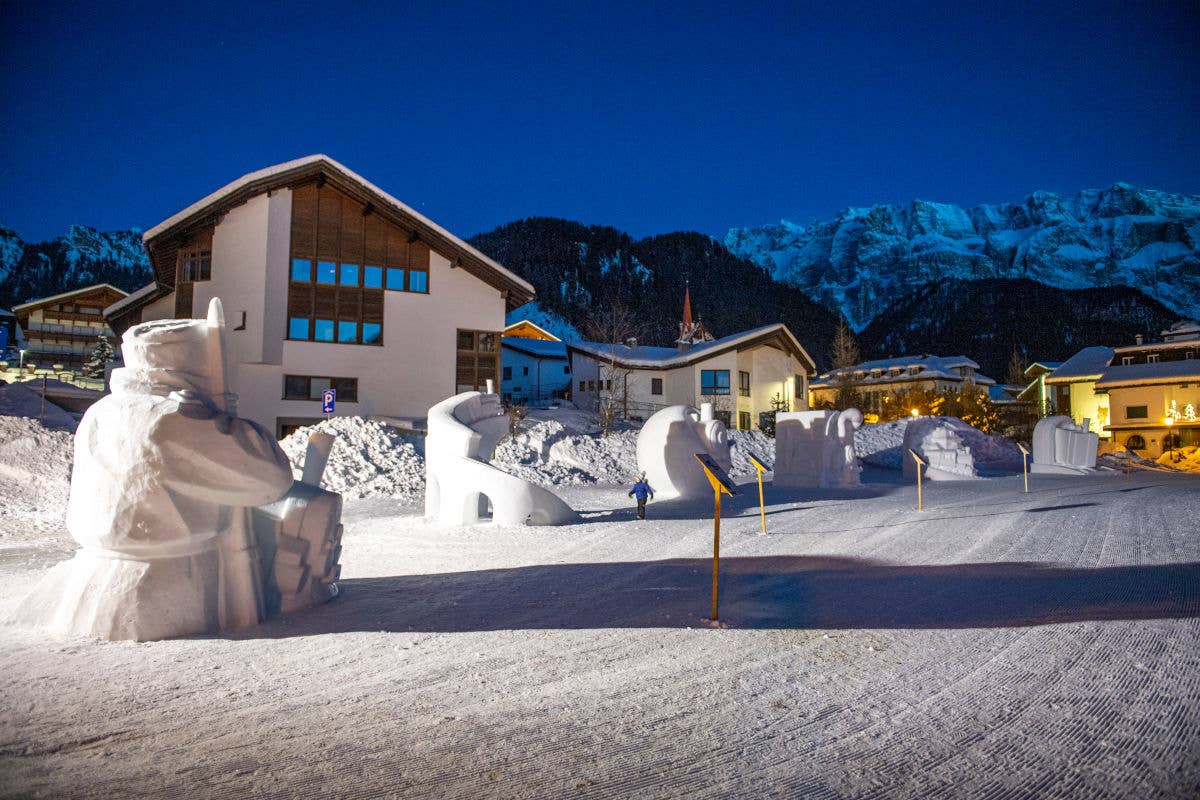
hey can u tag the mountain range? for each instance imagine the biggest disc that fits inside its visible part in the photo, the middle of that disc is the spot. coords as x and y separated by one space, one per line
1045 276
865 259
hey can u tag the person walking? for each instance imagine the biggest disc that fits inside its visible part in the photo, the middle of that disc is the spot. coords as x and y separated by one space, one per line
642 491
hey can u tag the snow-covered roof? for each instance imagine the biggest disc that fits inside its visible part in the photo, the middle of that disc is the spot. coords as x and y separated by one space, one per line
57 298
643 357
1004 393
1086 365
1185 328
526 323
892 370
290 172
1140 374
539 348
133 297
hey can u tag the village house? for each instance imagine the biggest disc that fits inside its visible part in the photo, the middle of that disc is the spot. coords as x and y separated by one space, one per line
882 381
1071 388
742 375
1153 391
61 331
329 282
534 365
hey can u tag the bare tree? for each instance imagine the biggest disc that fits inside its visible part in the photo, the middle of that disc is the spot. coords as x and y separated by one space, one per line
1016 369
616 328
843 354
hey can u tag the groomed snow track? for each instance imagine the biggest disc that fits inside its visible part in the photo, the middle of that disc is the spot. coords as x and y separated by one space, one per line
998 645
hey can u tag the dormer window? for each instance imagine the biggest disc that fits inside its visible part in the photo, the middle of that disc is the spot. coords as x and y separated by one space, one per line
914 369
875 373
1152 358
1126 361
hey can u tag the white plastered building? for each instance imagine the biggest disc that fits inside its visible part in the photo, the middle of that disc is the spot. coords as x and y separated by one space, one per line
740 374
329 282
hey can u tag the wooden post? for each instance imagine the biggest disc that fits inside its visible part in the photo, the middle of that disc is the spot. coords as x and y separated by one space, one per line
1024 465
920 463
716 547
762 506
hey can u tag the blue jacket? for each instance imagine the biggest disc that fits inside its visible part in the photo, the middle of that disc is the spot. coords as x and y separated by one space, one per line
641 490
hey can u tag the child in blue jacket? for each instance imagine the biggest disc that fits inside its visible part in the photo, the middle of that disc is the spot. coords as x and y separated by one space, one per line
642 491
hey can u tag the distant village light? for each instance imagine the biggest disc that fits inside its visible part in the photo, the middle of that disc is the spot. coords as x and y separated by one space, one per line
915 413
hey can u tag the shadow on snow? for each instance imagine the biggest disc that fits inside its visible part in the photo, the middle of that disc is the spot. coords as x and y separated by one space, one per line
792 592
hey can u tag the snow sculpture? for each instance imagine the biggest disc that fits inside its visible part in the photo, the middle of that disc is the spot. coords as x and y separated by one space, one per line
163 478
816 448
300 537
667 447
1061 447
459 483
935 440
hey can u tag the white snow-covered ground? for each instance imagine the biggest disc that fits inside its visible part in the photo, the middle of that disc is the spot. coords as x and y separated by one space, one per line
999 644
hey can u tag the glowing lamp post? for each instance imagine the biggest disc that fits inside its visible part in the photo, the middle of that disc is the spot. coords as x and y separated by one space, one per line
1170 442
915 413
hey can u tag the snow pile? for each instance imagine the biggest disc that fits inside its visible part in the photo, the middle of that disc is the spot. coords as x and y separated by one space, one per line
24 400
882 445
548 453
1186 459
750 443
369 459
35 475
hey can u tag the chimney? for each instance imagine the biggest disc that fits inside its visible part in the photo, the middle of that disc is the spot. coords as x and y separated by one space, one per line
631 342
1138 339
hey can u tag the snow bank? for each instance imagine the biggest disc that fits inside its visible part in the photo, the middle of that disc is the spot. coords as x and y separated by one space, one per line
35 476
882 445
23 400
369 459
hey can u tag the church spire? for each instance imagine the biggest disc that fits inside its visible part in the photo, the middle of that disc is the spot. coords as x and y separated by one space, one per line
690 332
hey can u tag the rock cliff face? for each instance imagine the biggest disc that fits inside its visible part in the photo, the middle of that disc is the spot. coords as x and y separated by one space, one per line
83 257
865 259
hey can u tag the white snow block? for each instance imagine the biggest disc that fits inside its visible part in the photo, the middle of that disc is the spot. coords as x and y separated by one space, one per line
162 483
1060 447
816 448
667 447
459 483
936 441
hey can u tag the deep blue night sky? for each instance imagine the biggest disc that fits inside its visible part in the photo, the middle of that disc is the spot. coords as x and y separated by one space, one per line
688 117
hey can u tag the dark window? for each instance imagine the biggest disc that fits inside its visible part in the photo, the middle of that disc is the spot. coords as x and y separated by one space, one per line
744 384
506 373
656 385
1172 441
524 370
197 266
744 420
798 386
581 386
726 418
714 381
566 369
1136 412
310 387
1126 361
1135 442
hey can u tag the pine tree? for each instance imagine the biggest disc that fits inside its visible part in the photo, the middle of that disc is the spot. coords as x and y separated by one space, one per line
102 354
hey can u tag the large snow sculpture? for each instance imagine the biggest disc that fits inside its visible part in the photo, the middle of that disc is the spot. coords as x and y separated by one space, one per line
935 440
816 448
459 483
667 447
300 537
1061 447
163 478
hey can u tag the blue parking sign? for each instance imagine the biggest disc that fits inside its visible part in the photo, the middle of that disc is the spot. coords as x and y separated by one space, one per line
328 397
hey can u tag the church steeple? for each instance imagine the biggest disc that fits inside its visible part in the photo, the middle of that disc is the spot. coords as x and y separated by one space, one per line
690 332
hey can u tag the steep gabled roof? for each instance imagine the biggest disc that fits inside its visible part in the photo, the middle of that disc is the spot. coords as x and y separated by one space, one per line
42 302
538 348
1086 365
1148 374
641 357
164 239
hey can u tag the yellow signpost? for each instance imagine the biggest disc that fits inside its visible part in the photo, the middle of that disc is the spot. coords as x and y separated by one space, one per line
762 506
920 464
721 482
1025 465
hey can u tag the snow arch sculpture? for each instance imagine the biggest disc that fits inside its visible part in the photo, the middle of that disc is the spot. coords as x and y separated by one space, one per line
463 433
164 477
667 445
816 448
1061 447
936 441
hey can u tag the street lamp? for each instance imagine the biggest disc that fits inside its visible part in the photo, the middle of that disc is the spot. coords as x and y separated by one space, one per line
915 413
22 367
1170 442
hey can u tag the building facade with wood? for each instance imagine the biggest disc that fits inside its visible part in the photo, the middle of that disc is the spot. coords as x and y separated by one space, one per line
61 331
330 282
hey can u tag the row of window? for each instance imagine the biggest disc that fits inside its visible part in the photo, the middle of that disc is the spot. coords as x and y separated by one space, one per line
507 373
328 330
591 386
338 273
311 387
1154 358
